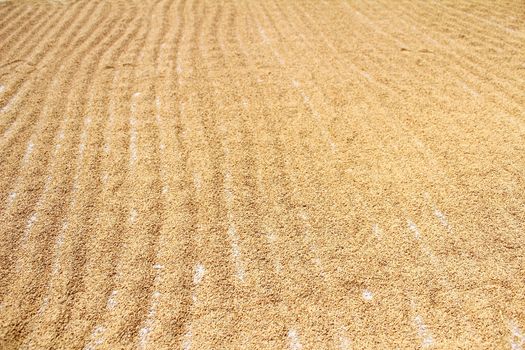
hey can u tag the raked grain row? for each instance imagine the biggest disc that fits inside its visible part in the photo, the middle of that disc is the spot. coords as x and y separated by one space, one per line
195 174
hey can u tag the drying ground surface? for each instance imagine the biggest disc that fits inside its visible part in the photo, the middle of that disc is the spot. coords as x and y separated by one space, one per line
198 174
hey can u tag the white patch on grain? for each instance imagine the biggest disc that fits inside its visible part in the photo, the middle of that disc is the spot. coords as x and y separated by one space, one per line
278 266
58 245
344 342
43 306
232 233
11 198
133 215
81 147
83 137
419 144
157 115
198 274
133 141
517 339
162 145
97 338
423 332
197 181
55 269
149 323
293 338
263 35
470 90
377 231
133 129
29 225
317 117
303 215
415 230
29 151
433 259
58 145
7 107
368 295
306 100
2 88
186 343
266 40
112 300
47 184
158 267
366 75
271 237
280 58
319 265
442 218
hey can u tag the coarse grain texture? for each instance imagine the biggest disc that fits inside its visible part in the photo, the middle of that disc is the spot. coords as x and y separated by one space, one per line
198 174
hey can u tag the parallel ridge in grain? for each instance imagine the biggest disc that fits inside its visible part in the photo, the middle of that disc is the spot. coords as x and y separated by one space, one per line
198 174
